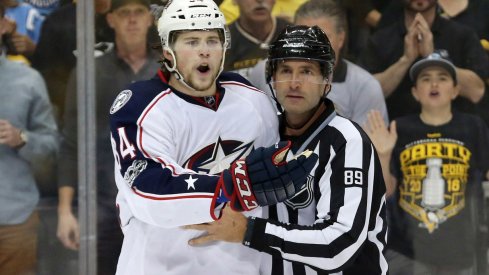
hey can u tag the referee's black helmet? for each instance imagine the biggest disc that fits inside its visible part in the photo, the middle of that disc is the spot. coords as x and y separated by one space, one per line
301 42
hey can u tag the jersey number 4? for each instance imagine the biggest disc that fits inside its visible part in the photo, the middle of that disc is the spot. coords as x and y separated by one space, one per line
126 148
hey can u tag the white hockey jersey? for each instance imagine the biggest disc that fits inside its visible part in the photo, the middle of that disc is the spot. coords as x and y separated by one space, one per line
168 147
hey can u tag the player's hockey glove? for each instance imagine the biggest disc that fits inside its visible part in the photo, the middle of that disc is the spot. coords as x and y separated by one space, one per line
264 177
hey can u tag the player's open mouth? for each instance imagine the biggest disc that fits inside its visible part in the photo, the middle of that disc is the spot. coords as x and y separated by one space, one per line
203 68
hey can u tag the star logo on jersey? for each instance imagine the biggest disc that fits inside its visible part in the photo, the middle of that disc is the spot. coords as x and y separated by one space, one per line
214 158
191 182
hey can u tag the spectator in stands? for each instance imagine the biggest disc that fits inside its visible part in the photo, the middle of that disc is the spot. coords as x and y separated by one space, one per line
130 60
251 33
354 90
362 18
472 13
27 21
283 8
437 159
393 49
55 53
27 132
45 7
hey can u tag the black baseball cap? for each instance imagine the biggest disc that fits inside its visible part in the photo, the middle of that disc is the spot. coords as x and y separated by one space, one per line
438 58
119 3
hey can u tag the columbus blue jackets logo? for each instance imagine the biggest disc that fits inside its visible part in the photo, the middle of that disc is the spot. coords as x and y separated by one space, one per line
215 157
121 100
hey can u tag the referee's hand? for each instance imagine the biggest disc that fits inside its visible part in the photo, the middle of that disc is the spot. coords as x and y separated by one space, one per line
231 227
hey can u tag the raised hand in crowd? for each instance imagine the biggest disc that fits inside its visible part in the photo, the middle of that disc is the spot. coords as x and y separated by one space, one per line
424 36
384 140
21 44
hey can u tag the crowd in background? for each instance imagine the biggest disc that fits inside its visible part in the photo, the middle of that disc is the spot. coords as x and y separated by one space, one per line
376 43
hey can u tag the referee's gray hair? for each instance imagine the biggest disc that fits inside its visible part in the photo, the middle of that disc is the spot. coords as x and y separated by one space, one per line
323 8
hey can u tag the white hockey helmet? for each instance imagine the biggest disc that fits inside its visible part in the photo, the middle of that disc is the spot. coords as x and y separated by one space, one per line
187 15
182 15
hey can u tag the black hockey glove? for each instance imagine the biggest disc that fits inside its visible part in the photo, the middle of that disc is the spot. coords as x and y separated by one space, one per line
265 178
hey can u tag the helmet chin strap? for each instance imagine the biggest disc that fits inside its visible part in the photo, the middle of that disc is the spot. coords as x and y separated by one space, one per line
327 88
272 92
174 71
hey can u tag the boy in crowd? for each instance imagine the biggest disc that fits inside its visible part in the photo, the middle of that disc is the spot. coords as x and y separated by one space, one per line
437 159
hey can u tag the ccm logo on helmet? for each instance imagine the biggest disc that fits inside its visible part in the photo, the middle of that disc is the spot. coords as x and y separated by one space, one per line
201 15
243 184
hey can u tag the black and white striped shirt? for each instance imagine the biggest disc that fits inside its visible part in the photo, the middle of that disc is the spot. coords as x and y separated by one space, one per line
337 223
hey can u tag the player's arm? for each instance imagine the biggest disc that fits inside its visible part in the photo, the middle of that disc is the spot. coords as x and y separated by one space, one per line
158 190
336 236
162 193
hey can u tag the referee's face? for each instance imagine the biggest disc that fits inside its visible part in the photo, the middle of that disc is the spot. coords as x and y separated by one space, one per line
300 86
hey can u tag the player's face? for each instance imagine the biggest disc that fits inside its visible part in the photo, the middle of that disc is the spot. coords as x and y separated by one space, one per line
328 25
299 86
199 55
255 10
419 5
130 23
435 88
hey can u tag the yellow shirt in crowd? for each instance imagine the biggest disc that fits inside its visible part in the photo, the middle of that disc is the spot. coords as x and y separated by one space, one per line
283 8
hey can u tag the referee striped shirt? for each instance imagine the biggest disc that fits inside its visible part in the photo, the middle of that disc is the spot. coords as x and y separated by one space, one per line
337 223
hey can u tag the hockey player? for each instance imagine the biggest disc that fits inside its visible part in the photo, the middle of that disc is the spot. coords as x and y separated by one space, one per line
336 223
173 135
